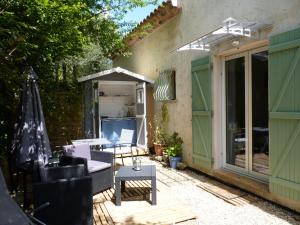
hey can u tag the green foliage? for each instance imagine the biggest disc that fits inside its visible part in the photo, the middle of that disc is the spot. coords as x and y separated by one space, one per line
160 135
159 126
174 143
44 32
91 61
63 114
61 40
164 114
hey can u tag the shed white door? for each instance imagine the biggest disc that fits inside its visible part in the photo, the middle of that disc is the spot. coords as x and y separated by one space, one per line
141 121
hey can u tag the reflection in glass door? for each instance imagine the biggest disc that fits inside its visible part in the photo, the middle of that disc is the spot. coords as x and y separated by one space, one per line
260 116
246 108
235 112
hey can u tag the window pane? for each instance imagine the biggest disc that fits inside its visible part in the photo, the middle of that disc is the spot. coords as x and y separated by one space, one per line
235 112
260 129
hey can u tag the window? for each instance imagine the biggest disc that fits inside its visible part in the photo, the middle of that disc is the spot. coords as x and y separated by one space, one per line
164 86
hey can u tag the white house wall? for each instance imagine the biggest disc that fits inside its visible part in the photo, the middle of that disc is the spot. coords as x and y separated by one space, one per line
157 52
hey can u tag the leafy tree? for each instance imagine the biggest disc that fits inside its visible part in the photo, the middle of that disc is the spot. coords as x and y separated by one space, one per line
61 39
40 32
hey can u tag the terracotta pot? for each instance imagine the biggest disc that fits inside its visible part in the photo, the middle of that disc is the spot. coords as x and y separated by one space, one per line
159 148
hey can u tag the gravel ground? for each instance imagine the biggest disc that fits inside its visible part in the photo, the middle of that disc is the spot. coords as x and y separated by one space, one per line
212 210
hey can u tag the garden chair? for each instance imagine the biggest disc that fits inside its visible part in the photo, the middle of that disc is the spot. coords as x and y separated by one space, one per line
69 193
123 145
97 164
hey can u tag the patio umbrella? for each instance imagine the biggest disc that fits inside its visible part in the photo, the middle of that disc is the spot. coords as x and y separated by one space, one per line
30 140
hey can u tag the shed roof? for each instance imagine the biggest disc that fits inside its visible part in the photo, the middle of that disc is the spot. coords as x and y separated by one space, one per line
166 11
116 74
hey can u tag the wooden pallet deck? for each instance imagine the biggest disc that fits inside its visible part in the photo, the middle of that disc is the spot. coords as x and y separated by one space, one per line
135 190
138 193
136 207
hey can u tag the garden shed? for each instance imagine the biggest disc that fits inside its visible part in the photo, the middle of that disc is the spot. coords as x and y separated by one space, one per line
118 100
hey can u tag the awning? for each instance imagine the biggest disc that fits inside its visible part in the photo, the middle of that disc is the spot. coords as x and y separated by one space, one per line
116 74
231 28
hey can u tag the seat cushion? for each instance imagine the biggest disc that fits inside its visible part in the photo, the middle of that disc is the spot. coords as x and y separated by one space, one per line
68 149
118 150
78 150
94 166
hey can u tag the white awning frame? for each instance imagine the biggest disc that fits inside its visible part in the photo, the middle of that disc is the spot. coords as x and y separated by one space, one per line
231 28
117 70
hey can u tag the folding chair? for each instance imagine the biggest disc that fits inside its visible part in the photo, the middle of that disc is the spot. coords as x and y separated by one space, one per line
123 145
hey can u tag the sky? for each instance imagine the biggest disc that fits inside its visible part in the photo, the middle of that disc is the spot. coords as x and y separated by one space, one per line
139 14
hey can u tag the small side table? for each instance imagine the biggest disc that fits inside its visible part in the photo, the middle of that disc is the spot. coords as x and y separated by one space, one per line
126 173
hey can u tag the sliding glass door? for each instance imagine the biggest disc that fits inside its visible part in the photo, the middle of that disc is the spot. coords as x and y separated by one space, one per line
246 112
235 111
259 120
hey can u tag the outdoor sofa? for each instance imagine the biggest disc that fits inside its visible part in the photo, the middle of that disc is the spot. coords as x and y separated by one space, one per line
97 164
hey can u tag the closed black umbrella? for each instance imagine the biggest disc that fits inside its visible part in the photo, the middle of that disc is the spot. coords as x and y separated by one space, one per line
30 141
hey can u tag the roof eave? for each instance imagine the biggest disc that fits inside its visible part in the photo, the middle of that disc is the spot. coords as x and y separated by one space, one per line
118 70
165 12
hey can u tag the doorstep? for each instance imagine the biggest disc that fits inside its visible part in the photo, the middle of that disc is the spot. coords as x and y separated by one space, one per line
256 187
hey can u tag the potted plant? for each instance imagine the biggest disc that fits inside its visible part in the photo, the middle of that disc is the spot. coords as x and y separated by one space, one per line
159 136
174 149
159 126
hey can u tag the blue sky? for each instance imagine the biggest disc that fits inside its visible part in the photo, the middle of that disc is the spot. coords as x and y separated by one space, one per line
138 14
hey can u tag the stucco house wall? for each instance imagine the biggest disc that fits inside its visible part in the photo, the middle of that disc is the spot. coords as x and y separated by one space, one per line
157 52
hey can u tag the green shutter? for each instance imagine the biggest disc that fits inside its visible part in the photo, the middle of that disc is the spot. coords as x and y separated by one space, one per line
284 82
164 86
201 112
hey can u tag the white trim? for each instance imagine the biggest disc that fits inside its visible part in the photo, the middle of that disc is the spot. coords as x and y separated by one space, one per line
217 112
248 111
145 114
140 116
143 117
250 127
117 82
234 56
243 48
223 112
118 70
